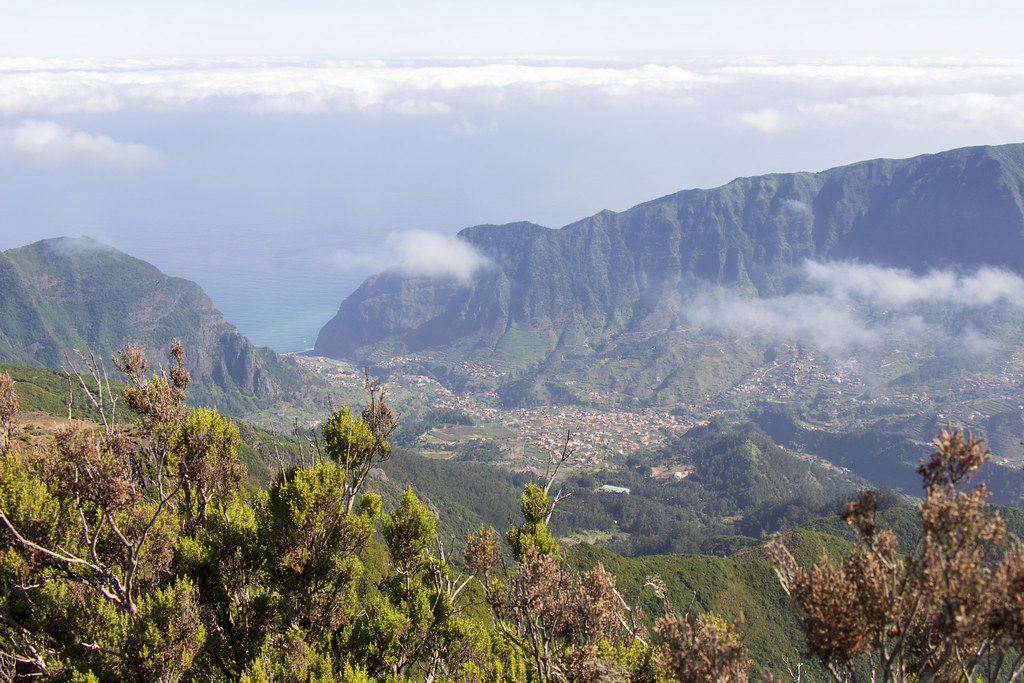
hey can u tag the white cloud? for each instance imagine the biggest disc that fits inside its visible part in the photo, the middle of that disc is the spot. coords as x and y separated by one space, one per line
431 254
29 86
767 120
900 288
926 112
796 207
75 246
810 318
766 96
49 143
842 308
472 130
419 253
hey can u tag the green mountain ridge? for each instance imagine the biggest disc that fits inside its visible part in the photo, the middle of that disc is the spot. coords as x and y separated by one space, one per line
616 271
63 294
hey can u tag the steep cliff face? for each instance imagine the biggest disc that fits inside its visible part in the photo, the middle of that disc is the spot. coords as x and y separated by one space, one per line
616 271
64 294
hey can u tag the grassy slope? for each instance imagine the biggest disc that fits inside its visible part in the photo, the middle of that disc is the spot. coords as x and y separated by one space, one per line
742 588
46 391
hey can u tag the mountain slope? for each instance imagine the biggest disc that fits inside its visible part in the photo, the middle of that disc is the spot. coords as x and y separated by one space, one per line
742 588
63 294
621 271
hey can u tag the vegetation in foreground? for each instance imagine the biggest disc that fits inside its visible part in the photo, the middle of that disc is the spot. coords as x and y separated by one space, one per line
135 551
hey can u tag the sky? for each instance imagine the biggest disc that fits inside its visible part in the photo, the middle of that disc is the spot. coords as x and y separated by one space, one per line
278 156
48 28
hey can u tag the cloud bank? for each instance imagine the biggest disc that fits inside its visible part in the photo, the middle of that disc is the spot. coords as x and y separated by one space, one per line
892 287
420 88
759 95
51 144
846 308
420 253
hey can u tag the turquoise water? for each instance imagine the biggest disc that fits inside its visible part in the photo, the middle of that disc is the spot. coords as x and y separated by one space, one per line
279 298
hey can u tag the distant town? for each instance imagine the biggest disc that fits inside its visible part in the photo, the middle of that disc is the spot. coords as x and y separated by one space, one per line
601 436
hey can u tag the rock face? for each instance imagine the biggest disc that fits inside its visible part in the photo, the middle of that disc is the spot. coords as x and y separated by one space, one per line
63 294
615 271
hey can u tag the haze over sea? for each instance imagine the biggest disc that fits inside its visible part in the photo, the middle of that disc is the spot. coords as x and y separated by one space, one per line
280 184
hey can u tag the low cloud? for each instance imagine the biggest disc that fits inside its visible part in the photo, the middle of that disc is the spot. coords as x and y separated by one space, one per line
767 120
418 88
851 282
50 144
847 308
924 112
809 318
420 253
755 94
68 247
796 207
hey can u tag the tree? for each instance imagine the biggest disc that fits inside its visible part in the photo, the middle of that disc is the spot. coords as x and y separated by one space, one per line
358 444
89 540
203 450
9 405
702 648
416 624
951 609
132 551
279 571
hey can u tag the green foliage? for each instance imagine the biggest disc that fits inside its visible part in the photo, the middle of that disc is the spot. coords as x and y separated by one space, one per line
885 456
165 634
465 494
46 391
347 439
205 436
479 451
295 659
408 532
742 588
743 487
310 540
416 622
139 554
450 416
533 533
203 448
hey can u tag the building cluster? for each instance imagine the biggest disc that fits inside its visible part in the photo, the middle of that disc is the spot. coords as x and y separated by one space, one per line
838 394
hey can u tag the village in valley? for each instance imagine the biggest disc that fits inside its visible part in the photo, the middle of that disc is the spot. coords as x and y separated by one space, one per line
601 437
528 437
